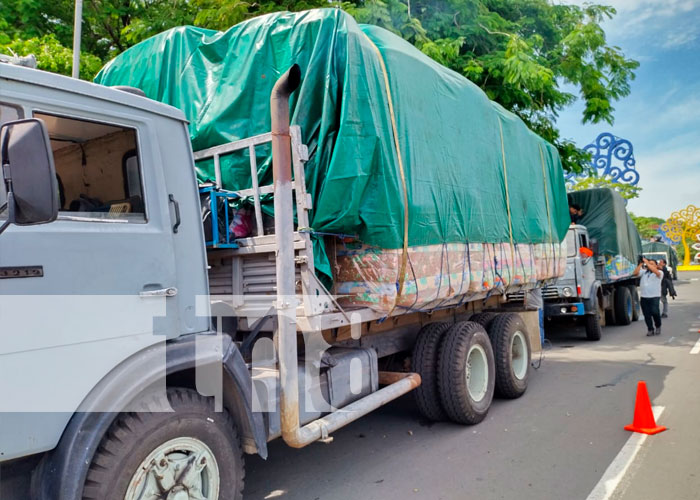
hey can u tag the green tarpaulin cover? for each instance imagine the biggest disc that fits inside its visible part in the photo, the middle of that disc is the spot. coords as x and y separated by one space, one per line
466 161
606 218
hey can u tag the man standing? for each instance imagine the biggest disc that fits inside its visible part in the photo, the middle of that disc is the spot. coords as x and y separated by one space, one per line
650 291
667 287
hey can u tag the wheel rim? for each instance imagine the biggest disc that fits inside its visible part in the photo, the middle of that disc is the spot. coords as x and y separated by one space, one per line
477 373
183 468
518 353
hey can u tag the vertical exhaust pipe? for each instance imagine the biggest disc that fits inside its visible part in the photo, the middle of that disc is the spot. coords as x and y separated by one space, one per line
286 338
284 235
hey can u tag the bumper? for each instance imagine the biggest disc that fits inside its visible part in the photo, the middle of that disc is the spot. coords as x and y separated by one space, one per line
564 309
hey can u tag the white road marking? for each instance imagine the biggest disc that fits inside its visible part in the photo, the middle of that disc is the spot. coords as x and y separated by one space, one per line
696 348
618 467
694 330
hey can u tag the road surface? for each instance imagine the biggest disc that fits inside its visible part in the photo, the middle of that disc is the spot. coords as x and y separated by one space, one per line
563 439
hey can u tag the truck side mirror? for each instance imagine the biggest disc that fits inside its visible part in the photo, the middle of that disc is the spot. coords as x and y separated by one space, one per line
28 172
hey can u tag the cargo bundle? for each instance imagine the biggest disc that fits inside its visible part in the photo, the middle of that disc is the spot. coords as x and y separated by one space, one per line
423 190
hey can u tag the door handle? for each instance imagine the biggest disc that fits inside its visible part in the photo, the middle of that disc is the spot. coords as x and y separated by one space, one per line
163 292
176 206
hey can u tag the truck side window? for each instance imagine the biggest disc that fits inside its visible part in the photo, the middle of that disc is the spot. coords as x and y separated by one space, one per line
8 113
583 241
98 170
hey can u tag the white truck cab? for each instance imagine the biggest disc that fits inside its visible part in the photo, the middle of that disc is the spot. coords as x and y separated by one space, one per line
586 293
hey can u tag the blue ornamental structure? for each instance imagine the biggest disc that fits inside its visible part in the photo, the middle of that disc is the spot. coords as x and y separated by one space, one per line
613 158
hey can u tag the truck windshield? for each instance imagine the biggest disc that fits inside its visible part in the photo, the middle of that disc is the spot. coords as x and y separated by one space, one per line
570 244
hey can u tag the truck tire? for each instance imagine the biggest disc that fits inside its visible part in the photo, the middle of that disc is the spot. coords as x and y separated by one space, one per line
483 318
193 435
424 362
511 349
636 311
466 373
624 306
594 321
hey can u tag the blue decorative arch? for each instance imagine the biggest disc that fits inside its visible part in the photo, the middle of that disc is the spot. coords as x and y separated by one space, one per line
613 158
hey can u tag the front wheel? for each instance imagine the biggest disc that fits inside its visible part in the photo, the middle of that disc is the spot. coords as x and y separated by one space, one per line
594 321
189 453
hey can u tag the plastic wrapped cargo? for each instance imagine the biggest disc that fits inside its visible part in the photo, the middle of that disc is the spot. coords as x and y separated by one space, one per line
606 218
406 155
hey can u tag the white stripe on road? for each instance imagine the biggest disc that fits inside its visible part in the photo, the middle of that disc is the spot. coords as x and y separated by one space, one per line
694 330
616 470
696 348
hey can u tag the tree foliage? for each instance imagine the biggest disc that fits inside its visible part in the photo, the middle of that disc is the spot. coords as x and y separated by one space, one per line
648 227
627 191
522 53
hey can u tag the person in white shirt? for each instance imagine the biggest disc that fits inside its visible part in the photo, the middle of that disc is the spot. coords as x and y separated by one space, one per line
650 292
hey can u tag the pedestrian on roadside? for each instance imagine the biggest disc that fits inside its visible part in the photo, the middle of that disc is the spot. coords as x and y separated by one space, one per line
667 288
650 291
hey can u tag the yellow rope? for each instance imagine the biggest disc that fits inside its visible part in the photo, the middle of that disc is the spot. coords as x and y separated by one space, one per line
546 195
505 178
404 256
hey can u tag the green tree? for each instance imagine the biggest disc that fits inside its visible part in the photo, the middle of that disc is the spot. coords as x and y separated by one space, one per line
520 52
627 191
648 227
51 55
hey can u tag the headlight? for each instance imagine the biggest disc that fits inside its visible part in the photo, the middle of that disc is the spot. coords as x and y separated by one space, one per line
567 291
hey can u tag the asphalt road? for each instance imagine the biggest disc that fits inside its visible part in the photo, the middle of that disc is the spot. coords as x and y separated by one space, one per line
555 442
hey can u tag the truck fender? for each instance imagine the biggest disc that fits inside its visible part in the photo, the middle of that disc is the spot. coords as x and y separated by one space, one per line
62 471
596 292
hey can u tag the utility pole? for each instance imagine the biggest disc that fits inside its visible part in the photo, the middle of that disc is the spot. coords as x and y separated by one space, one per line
77 28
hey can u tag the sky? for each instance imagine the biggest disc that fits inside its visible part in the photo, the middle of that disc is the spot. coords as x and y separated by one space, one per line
661 116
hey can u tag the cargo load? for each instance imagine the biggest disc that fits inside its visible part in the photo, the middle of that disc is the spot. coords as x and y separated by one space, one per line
606 218
422 188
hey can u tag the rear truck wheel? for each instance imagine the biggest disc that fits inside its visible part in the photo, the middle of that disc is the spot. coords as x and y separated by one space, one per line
484 319
190 453
466 373
637 305
424 362
594 321
511 349
624 306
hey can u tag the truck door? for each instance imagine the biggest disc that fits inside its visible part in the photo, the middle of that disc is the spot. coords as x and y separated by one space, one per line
79 295
587 266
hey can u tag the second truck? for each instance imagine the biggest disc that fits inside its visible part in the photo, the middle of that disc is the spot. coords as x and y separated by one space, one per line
603 248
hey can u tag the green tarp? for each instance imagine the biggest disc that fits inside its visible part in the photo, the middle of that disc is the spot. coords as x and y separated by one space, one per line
452 139
606 218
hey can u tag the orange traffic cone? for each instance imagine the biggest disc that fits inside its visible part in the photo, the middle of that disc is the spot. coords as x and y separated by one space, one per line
643 417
